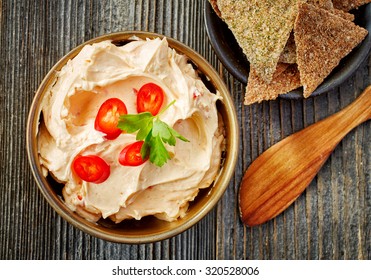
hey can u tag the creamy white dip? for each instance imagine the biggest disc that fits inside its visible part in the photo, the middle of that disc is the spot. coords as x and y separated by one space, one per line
102 71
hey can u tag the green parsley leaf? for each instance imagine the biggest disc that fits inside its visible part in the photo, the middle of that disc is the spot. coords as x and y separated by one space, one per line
166 133
144 151
177 135
158 154
154 132
134 122
162 129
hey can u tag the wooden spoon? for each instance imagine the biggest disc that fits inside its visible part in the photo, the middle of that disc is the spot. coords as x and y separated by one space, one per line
280 174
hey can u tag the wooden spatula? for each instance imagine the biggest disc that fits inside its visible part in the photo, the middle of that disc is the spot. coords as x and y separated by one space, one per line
280 174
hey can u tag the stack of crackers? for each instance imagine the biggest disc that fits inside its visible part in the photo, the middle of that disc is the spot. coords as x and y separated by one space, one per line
290 43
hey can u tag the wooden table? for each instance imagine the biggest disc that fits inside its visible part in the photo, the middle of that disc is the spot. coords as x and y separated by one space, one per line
330 220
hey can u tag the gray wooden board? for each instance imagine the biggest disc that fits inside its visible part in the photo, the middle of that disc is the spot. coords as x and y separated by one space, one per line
330 220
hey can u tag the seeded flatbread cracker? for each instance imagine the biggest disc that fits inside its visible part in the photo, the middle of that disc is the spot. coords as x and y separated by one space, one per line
288 54
322 40
347 5
285 79
214 4
261 29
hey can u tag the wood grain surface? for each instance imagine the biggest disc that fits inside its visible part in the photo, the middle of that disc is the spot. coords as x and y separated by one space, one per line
330 220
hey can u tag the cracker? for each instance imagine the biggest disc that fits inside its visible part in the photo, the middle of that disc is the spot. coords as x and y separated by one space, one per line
261 29
285 79
347 5
288 54
322 40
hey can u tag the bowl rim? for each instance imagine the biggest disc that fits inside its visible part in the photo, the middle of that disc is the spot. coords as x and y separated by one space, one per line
222 181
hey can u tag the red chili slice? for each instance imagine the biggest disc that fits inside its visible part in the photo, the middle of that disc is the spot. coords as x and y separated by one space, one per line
150 98
131 156
91 168
108 116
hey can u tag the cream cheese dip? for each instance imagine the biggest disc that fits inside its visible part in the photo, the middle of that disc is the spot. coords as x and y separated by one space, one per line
102 71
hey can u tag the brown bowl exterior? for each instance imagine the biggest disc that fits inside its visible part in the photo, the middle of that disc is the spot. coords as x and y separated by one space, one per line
149 229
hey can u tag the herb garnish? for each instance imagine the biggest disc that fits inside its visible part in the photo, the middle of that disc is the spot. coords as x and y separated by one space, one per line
153 132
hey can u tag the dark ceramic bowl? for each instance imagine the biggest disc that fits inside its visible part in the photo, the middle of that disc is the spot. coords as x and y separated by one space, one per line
234 60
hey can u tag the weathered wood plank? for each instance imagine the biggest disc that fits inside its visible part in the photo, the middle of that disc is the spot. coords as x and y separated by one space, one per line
330 220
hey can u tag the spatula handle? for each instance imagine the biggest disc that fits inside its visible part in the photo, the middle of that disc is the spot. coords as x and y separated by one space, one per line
328 132
352 115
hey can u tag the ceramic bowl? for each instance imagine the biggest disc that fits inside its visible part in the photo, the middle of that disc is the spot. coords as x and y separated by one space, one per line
148 229
234 60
